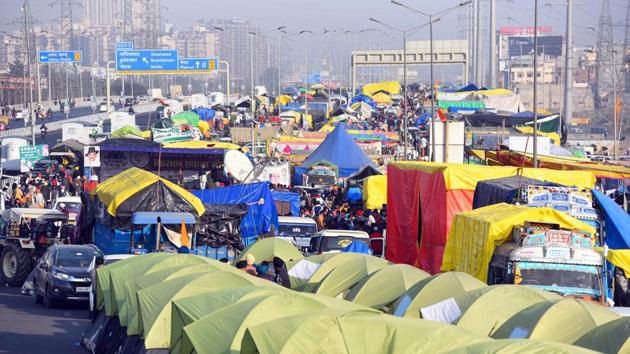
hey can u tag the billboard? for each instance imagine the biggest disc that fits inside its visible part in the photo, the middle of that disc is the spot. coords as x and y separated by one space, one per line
524 45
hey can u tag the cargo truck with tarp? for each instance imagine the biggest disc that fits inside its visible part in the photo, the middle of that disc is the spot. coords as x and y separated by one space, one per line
538 247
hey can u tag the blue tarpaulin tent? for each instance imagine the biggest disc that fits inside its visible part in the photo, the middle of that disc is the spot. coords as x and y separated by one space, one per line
339 149
363 98
503 190
617 226
290 197
423 119
291 91
205 113
261 209
357 247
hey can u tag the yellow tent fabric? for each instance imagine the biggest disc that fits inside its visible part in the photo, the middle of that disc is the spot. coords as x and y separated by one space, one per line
382 97
462 176
474 234
204 128
200 144
555 137
621 259
115 190
284 99
375 192
495 92
393 87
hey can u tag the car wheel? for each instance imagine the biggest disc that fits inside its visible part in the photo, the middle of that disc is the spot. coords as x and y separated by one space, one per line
48 301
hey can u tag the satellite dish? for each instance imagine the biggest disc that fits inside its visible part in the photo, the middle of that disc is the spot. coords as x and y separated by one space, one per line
238 165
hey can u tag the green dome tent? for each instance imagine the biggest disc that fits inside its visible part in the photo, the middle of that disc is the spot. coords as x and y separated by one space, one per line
563 321
300 271
268 248
342 331
386 285
518 346
432 290
611 337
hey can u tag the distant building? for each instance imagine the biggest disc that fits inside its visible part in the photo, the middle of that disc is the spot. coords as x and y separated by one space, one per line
102 12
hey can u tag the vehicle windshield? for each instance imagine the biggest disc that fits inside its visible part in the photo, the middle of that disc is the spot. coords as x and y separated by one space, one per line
563 278
296 230
69 207
336 243
74 258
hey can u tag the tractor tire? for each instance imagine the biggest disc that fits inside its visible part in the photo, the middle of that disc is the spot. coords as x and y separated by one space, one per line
15 264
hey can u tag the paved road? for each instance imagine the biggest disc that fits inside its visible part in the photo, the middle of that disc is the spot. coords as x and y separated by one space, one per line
26 327
58 116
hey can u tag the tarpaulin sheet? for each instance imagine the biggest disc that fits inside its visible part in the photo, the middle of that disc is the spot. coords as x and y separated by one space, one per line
129 188
375 192
391 87
503 190
474 234
262 213
288 197
617 225
620 258
503 102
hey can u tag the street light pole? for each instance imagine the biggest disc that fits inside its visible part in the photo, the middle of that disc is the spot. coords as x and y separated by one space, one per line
305 33
30 74
614 82
251 75
109 108
535 129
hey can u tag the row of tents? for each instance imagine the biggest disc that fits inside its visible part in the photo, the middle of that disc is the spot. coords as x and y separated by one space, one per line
183 304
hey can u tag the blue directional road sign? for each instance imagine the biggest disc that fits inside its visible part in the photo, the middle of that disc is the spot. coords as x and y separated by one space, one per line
70 56
156 61
197 65
124 45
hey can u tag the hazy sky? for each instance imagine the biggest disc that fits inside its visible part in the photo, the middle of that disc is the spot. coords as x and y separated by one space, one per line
354 14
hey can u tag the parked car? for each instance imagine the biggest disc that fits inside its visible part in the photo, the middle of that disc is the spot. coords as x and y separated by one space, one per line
297 230
71 206
333 241
63 274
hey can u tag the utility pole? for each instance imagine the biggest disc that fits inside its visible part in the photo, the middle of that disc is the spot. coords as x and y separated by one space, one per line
568 72
305 33
614 83
492 71
535 129
251 75
478 43
27 34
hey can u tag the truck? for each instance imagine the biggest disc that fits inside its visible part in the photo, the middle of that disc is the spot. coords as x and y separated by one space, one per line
155 93
544 256
25 234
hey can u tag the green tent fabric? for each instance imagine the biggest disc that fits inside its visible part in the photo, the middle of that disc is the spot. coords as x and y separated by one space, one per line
432 290
159 276
386 285
343 331
223 330
190 309
485 310
191 118
300 271
122 276
341 272
518 346
104 274
127 130
476 105
268 248
155 301
611 337
563 321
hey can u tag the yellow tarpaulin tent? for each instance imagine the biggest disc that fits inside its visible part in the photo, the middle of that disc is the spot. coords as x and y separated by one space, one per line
284 99
118 189
375 192
462 176
474 234
382 98
393 87
555 137
621 259
202 145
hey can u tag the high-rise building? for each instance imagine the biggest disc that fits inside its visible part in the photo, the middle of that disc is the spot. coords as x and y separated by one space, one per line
197 42
102 12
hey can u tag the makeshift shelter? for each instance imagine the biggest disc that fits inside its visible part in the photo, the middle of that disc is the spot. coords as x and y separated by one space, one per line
562 321
343 331
269 248
375 192
364 99
433 193
611 337
617 225
71 148
193 308
287 203
519 346
204 114
484 310
364 173
128 132
186 117
389 87
504 190
382 98
339 149
262 213
478 232
432 290
341 272
385 286
138 190
363 107
302 270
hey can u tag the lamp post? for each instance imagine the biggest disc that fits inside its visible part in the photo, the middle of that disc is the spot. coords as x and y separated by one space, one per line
305 33
432 18
404 33
109 93
281 30
251 74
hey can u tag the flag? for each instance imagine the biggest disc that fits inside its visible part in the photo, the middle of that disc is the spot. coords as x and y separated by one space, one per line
184 233
442 116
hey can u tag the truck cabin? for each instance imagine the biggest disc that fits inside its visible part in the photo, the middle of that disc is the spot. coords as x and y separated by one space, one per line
160 231
32 223
560 261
